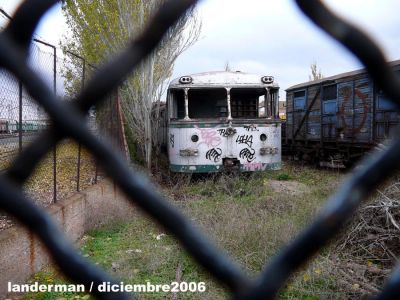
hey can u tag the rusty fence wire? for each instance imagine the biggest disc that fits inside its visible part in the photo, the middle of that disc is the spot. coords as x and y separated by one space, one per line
68 120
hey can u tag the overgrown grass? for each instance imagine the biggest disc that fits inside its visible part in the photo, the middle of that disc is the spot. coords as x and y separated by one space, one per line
250 217
40 185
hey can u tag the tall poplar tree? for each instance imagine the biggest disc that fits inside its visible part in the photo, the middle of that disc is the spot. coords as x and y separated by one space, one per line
101 28
315 73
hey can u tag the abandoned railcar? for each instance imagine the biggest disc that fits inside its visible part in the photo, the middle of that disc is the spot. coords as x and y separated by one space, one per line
223 121
335 120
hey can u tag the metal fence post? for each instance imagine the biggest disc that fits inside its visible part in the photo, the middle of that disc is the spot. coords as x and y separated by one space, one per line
20 116
96 171
55 147
80 146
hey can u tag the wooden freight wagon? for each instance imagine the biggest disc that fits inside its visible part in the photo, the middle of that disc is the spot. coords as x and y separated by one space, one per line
335 120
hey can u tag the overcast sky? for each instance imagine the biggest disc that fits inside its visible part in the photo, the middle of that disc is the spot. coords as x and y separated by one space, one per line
268 37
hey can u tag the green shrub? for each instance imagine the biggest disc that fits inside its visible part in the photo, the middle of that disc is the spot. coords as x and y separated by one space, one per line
283 176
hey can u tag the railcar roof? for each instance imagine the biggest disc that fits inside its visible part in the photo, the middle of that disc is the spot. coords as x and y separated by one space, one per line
223 78
335 77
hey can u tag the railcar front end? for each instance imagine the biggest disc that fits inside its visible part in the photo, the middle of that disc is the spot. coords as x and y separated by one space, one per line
223 121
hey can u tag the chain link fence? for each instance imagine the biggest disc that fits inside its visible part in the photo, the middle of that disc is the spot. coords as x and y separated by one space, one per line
67 119
68 167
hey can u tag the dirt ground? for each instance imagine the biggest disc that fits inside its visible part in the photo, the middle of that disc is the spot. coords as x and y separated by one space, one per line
288 187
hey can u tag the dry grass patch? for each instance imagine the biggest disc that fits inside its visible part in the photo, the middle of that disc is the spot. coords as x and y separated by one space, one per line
39 186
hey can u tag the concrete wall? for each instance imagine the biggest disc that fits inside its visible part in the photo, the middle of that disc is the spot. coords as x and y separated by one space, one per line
21 253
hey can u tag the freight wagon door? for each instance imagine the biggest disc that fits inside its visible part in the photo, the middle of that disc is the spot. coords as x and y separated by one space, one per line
329 111
299 111
355 114
386 116
346 112
362 122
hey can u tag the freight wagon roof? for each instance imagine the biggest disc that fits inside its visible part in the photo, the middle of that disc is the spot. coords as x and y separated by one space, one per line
335 77
223 79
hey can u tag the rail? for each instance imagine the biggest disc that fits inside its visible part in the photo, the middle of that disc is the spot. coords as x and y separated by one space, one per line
68 121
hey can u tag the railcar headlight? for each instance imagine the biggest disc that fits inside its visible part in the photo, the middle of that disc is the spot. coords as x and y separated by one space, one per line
195 138
185 79
267 79
263 137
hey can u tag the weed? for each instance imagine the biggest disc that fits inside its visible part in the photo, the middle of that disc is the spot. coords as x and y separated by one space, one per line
283 176
245 215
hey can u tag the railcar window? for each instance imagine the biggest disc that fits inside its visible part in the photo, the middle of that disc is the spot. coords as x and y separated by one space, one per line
299 99
329 92
177 102
329 107
383 102
208 103
245 103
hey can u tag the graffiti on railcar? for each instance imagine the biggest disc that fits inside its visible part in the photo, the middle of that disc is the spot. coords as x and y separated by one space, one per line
248 154
209 136
223 132
251 127
214 154
223 120
348 109
245 139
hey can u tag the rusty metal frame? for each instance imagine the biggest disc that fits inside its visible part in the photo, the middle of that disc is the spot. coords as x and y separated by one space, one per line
68 121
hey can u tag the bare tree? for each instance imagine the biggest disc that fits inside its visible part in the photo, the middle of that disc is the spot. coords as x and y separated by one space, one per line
153 76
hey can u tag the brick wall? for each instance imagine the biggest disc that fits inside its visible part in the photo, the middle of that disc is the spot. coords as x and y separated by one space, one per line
21 253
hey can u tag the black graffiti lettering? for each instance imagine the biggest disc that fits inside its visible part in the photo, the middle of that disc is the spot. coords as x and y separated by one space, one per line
214 154
226 132
172 140
250 127
245 139
223 132
247 153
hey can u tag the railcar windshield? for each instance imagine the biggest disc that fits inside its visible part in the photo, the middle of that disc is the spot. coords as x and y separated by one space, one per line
247 102
207 103
203 103
213 103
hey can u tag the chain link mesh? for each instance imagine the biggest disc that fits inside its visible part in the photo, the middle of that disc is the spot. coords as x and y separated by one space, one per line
68 121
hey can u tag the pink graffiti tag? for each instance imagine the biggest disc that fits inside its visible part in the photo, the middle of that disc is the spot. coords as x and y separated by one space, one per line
254 167
209 136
